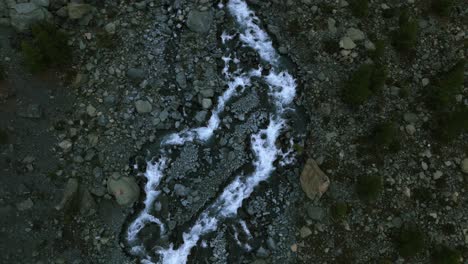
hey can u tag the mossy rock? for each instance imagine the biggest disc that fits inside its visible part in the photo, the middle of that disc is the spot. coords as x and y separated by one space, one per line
447 85
339 210
405 38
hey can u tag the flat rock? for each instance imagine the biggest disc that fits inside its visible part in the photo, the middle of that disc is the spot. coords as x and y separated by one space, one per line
347 43
314 181
355 34
125 190
77 11
143 106
199 21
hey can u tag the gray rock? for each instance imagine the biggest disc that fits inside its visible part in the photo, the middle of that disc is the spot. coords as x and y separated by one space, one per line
136 74
410 118
110 28
199 21
143 106
355 34
464 165
315 213
125 190
201 116
77 11
262 252
180 190
206 103
305 232
23 15
181 80
65 145
314 181
91 111
347 43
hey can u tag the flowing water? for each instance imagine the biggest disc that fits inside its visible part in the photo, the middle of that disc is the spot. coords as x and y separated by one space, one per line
281 92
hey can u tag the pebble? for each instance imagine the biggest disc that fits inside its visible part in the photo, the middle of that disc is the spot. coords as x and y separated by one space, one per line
437 175
143 106
305 232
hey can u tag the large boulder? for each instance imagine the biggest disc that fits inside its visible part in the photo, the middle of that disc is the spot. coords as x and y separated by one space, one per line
199 21
23 15
314 181
124 189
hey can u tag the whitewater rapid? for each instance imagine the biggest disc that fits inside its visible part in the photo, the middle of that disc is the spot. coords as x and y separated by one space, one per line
282 90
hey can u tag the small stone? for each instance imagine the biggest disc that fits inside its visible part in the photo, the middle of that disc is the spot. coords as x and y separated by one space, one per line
410 118
91 111
347 43
425 82
437 175
410 129
464 165
25 205
180 190
110 28
199 22
136 74
71 188
65 145
305 232
424 165
143 106
206 103
355 34
315 213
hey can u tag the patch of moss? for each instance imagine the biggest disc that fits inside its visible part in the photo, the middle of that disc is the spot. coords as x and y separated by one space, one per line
442 7
378 77
405 38
446 255
369 187
330 46
442 93
386 136
339 210
410 241
48 48
359 8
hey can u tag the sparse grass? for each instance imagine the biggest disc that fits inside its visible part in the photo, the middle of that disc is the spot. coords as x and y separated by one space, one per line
364 82
448 84
359 8
405 38
446 255
48 48
369 187
410 241
339 210
442 7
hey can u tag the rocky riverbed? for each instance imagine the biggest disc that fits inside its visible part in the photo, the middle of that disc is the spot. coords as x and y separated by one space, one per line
75 143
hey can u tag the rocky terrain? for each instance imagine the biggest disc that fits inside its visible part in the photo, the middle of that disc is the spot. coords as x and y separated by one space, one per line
380 150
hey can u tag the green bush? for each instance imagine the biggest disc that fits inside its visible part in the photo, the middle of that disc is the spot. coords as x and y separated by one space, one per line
105 40
367 80
339 210
410 241
446 255
406 37
359 8
442 7
369 187
442 92
48 48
